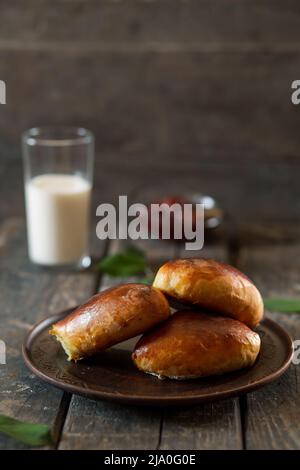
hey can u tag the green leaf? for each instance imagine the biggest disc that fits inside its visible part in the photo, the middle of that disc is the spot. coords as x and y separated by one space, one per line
146 280
32 434
282 305
129 262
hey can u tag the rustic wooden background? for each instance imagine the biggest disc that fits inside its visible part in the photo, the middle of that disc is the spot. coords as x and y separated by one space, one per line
193 88
185 94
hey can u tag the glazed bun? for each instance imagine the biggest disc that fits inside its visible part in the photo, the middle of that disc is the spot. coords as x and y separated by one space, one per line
190 345
213 286
110 317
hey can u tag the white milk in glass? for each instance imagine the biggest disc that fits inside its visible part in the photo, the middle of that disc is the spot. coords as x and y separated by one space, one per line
57 209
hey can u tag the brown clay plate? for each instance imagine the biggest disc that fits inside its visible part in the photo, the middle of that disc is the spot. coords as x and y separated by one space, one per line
111 374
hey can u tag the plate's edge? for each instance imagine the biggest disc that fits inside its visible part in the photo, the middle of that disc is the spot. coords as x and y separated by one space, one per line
154 401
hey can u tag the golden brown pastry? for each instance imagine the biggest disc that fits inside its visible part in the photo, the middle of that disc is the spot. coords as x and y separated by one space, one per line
213 286
110 317
190 345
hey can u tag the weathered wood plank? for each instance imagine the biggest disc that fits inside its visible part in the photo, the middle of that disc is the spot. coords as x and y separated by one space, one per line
273 413
29 294
208 426
135 22
106 425
109 426
175 95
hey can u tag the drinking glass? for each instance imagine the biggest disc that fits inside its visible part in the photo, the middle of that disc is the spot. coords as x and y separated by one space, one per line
58 177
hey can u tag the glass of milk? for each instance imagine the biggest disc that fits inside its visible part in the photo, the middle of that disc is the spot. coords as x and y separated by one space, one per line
58 172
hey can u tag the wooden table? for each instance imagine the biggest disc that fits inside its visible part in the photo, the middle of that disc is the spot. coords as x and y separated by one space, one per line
265 419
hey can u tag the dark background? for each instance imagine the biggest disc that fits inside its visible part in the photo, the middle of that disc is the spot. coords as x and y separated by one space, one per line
191 93
182 95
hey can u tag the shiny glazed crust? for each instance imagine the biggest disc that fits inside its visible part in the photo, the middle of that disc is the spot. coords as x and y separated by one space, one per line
110 317
193 344
212 286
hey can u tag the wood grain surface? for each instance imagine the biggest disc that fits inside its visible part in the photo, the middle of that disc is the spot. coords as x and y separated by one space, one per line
206 79
265 419
255 422
175 22
29 294
273 413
